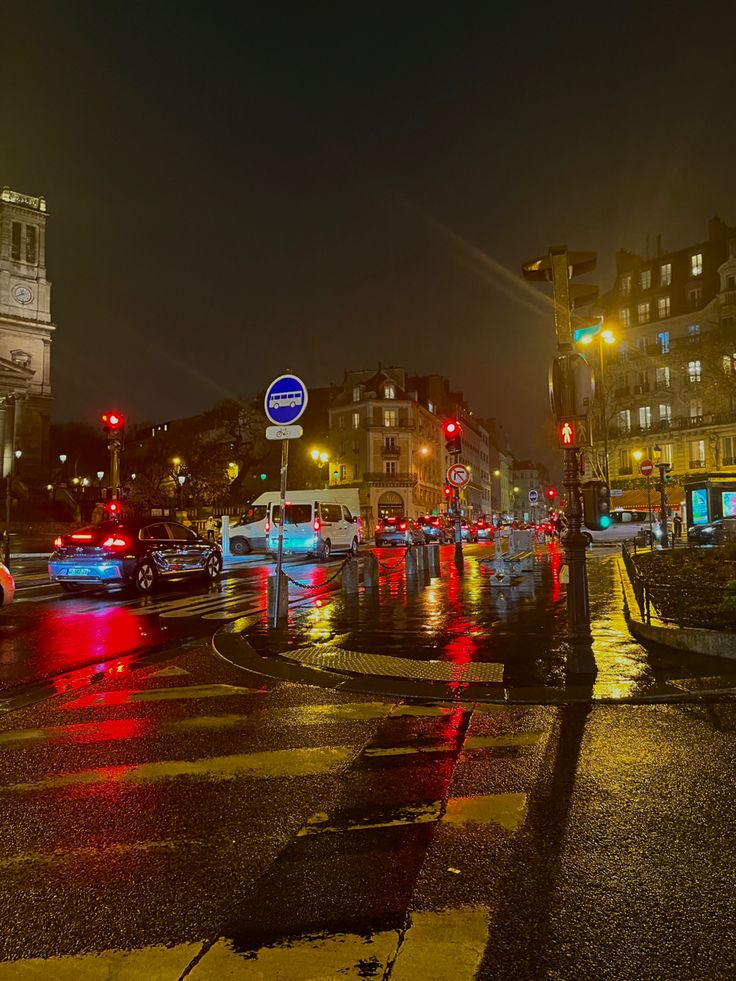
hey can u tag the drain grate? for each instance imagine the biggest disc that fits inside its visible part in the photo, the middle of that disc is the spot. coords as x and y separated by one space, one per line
357 662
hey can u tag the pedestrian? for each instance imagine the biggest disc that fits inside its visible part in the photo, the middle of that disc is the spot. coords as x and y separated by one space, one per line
210 527
677 526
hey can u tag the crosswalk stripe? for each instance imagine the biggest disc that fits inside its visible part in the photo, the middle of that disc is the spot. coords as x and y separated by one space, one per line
506 810
108 851
267 764
95 699
446 945
512 739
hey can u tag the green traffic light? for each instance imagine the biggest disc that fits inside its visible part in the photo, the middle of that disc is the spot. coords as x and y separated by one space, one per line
604 521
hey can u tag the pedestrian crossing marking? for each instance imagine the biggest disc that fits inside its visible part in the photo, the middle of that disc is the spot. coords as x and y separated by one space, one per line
320 822
443 747
170 671
159 695
512 739
266 764
446 945
507 810
107 851
159 963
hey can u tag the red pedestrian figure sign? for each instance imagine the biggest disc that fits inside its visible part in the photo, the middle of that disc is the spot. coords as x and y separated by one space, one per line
567 434
573 432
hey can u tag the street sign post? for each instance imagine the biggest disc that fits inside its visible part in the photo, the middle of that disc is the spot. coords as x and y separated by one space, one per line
458 475
285 400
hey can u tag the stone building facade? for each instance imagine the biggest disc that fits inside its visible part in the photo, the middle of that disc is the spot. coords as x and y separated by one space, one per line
670 377
26 330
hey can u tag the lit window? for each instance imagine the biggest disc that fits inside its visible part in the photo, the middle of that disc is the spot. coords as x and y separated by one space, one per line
390 417
645 279
696 264
663 378
728 451
693 371
642 311
663 306
343 472
665 274
697 452
624 420
727 364
356 420
626 284
665 412
696 409
693 331
389 391
664 341
390 467
666 455
356 393
645 416
624 317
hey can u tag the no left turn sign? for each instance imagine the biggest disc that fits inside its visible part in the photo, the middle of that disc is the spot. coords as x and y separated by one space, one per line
458 475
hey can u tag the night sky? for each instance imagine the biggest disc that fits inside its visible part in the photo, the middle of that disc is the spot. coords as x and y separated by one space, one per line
237 190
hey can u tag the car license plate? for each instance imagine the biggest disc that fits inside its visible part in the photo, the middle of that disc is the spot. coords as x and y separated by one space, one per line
81 571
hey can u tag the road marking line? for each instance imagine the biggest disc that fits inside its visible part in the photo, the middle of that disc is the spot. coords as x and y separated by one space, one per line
268 764
158 963
319 714
428 711
447 945
159 695
170 671
507 810
512 739
446 747
106 851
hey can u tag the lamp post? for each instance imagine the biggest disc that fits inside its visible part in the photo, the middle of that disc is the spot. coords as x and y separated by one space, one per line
181 479
17 454
663 468
320 458
603 337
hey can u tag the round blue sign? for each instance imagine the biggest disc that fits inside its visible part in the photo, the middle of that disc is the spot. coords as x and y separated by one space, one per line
533 496
286 399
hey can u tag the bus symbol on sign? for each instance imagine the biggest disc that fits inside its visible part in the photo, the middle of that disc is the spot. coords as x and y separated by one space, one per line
281 399
286 399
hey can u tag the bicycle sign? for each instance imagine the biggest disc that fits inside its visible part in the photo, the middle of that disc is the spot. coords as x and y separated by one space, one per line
458 475
286 399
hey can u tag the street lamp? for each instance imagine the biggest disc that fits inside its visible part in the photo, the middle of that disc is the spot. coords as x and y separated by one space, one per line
604 337
100 475
663 468
181 479
320 458
62 458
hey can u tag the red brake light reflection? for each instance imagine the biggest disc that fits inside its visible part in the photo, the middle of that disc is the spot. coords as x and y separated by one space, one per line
115 542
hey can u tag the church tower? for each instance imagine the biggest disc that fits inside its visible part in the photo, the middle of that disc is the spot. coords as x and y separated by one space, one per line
25 336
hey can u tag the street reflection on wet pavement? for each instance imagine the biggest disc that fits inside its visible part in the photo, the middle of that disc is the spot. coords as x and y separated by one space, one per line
470 619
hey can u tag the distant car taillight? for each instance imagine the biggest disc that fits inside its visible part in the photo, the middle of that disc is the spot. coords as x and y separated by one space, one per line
379 527
402 526
116 541
58 542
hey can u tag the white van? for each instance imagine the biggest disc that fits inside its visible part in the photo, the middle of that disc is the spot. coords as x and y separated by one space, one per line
627 524
249 534
315 523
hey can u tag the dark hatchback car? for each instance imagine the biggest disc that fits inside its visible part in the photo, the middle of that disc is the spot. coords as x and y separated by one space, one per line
717 532
398 531
132 552
436 529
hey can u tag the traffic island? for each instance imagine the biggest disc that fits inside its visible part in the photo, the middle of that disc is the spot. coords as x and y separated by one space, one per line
462 639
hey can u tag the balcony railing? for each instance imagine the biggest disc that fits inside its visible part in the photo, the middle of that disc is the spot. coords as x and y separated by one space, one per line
390 452
728 461
394 479
667 425
662 386
697 464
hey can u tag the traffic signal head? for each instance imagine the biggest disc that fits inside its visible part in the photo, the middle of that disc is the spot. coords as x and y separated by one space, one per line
447 491
113 422
453 435
113 509
596 505
551 493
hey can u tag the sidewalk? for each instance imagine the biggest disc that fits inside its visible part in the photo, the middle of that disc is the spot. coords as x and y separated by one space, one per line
464 638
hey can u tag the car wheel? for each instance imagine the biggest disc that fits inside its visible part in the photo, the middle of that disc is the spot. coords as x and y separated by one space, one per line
212 568
70 587
144 577
354 547
240 546
326 550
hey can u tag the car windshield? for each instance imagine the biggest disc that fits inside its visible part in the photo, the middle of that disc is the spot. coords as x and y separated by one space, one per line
295 514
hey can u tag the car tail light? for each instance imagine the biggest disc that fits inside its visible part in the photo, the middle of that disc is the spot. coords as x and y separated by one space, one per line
402 526
116 541
58 542
379 527
391 521
316 526
268 526
81 537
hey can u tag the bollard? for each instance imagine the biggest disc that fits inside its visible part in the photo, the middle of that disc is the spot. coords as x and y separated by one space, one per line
283 598
421 559
225 531
350 576
433 559
412 564
370 571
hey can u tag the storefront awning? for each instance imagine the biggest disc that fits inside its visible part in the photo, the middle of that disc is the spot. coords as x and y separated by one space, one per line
638 498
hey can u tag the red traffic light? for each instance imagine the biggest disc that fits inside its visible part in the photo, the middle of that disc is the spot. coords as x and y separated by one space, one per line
551 493
453 435
447 490
114 507
450 428
113 420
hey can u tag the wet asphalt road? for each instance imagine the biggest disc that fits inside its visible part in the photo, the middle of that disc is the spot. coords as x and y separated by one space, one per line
178 813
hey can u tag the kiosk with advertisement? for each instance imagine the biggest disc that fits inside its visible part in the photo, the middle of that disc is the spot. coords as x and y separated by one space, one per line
709 496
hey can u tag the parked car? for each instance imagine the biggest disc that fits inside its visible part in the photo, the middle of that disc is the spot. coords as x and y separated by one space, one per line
484 531
627 524
395 530
132 551
7 586
436 529
316 527
717 532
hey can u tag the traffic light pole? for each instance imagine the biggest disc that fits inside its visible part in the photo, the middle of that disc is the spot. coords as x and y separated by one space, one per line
458 531
663 468
114 447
